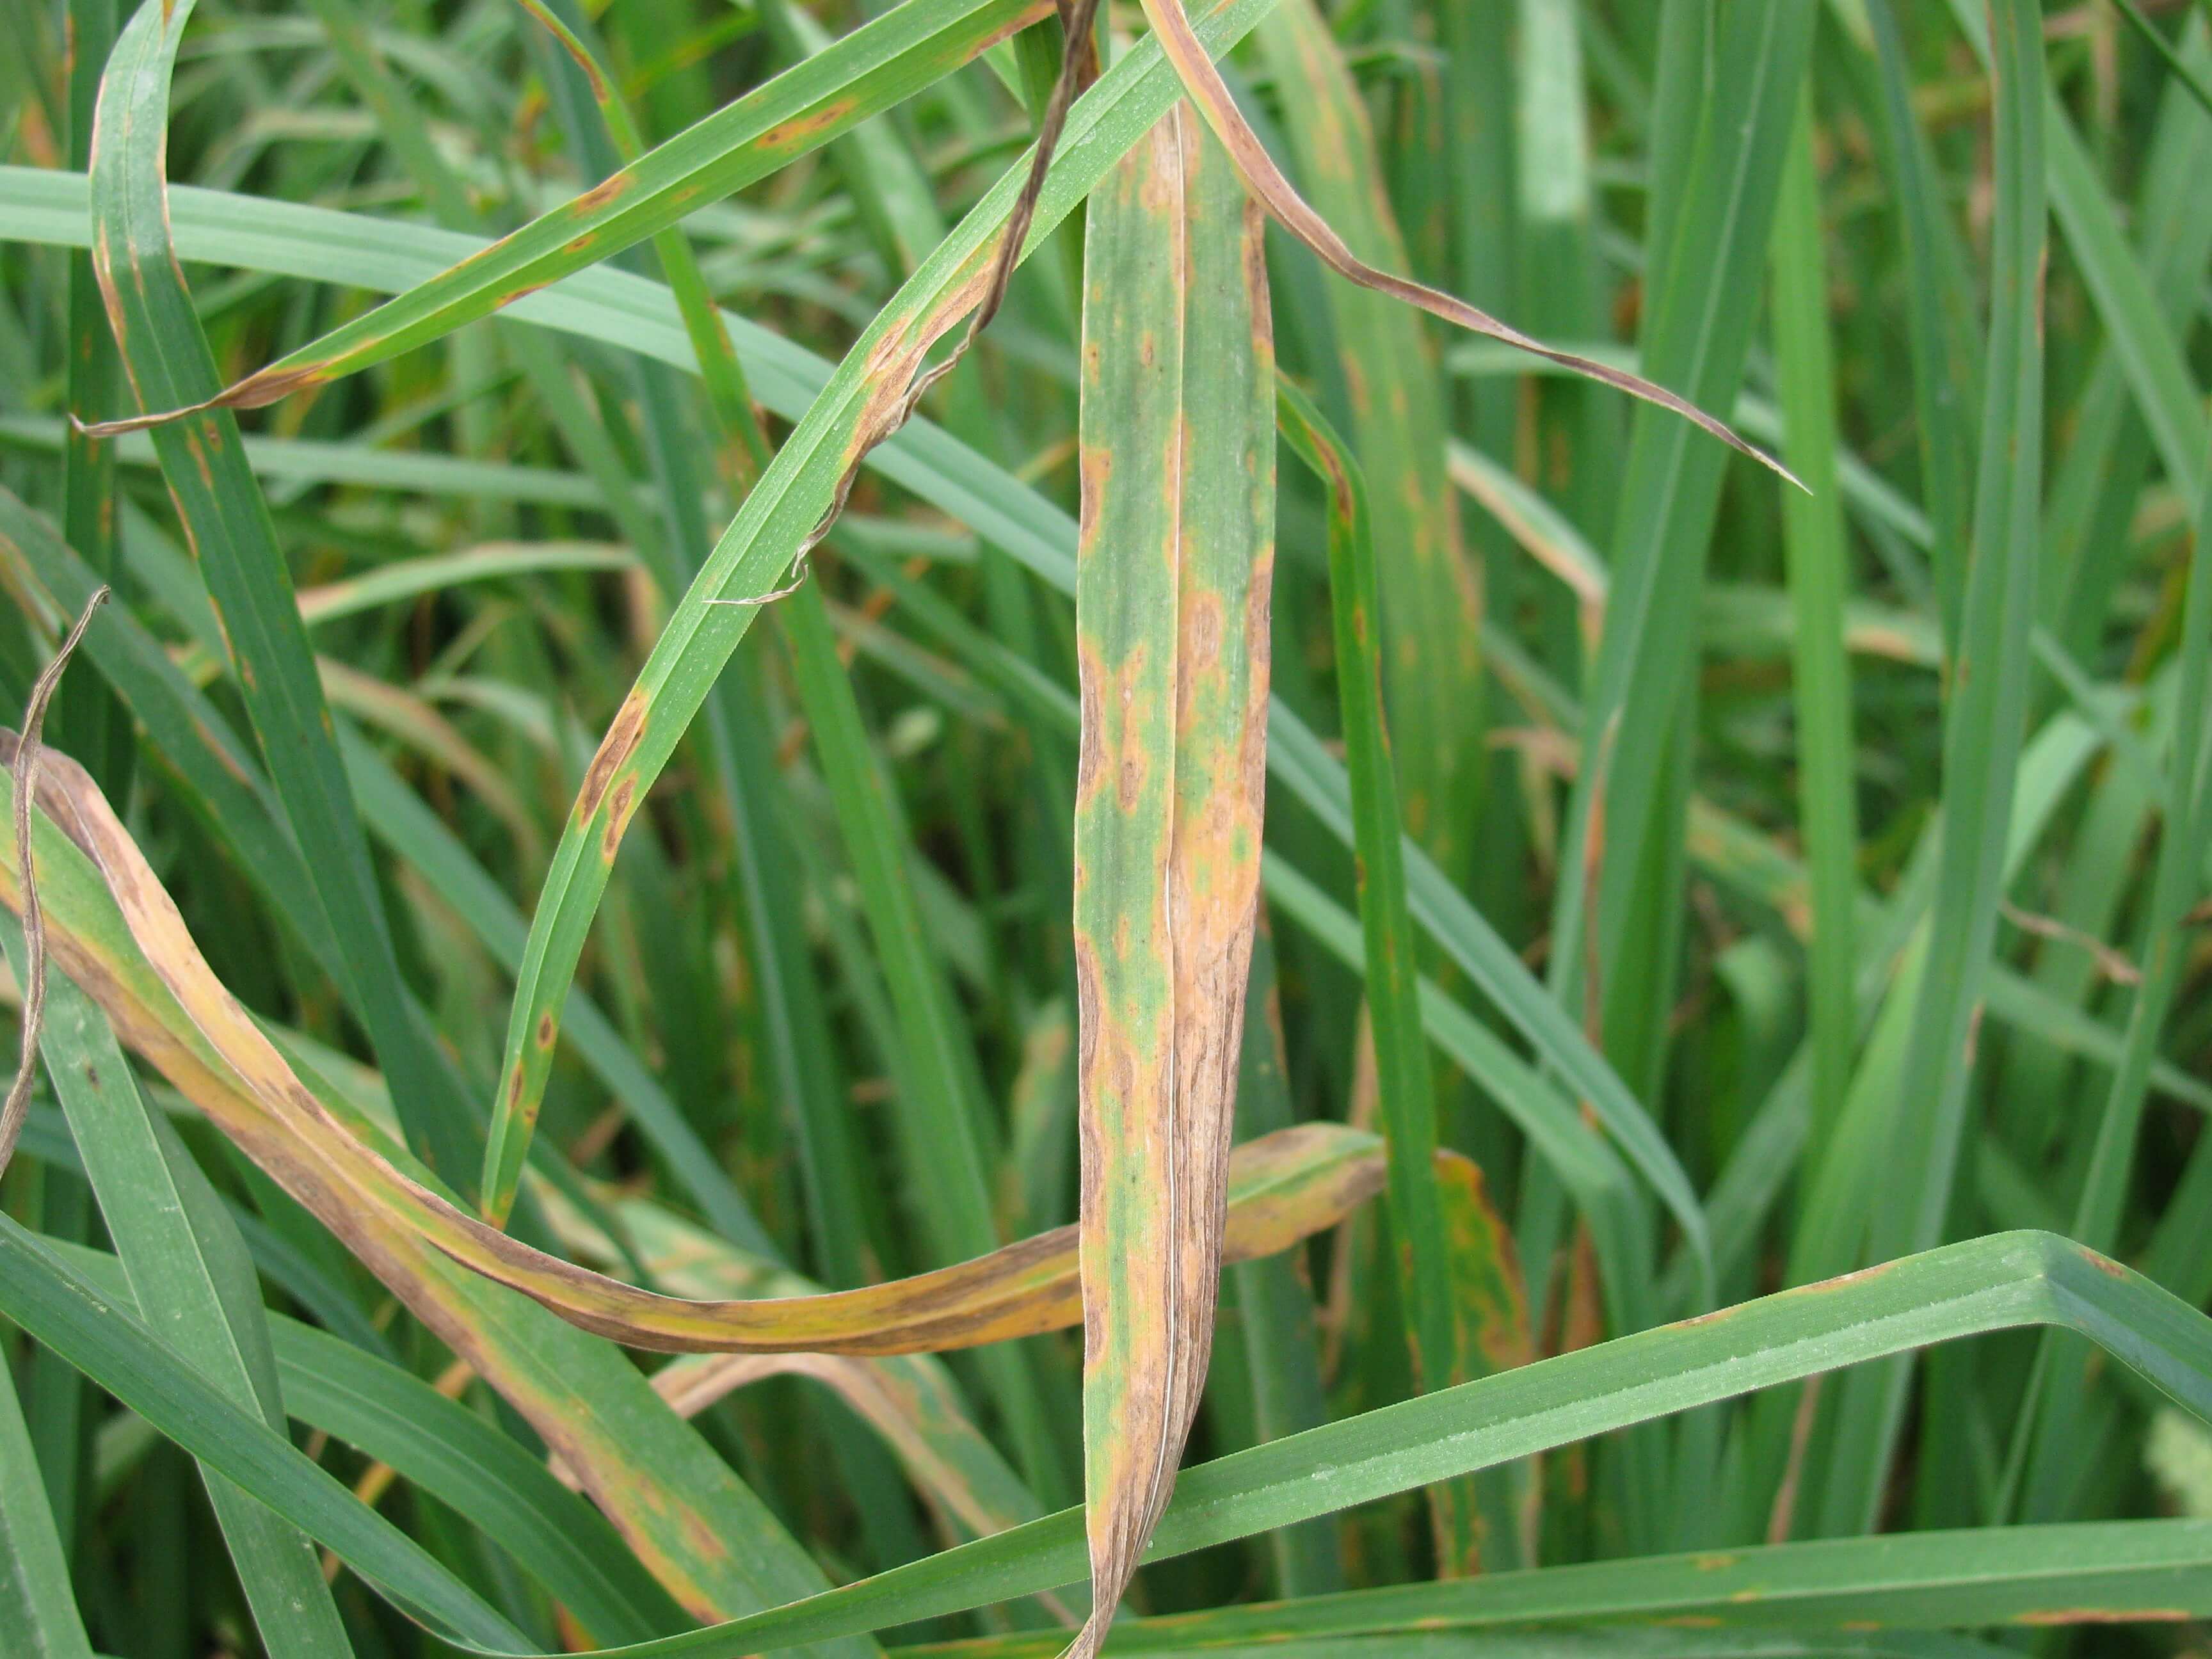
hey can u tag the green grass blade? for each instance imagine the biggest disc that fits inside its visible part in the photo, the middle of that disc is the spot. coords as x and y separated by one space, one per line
111 1346
38 1606
1983 731
166 353
1998 1283
1405 1086
1820 579
1431 600
1946 356
867 72
2027 1576
90 722
184 1259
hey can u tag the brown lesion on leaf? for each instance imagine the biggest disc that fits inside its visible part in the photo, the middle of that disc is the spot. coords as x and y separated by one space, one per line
619 815
220 751
797 130
1090 754
1199 621
609 190
1037 11
620 743
258 390
1094 471
546 1028
1118 718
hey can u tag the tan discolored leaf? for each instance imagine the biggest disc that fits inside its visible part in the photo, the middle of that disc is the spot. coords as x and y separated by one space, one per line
1172 582
142 967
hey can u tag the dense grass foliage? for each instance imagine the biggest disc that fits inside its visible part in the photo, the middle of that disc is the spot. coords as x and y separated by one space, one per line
634 941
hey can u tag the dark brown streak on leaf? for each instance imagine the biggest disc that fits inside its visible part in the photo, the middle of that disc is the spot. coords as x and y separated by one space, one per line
26 775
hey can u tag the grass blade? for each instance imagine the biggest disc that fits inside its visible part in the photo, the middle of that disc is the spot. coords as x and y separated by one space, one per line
1697 332
1405 1087
867 72
1996 1283
184 1258
1172 586
1983 731
1431 600
2034 1578
37 1608
167 356
1818 579
1946 357
91 723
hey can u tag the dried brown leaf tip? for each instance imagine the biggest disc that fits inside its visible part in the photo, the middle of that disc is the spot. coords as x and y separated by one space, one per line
1171 606
1193 66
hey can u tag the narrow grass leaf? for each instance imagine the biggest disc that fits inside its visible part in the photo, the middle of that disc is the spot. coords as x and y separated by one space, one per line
1404 1083
1819 577
226 521
869 70
185 1261
2033 1578
1172 586
2001 1282
1430 599
38 1606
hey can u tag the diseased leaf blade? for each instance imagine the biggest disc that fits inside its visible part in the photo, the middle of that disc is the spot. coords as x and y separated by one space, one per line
1172 584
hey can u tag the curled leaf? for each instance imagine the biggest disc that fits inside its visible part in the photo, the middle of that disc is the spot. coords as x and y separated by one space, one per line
1282 1187
1202 82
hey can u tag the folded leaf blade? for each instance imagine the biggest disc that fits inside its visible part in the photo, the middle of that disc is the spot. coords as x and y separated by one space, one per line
1172 582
